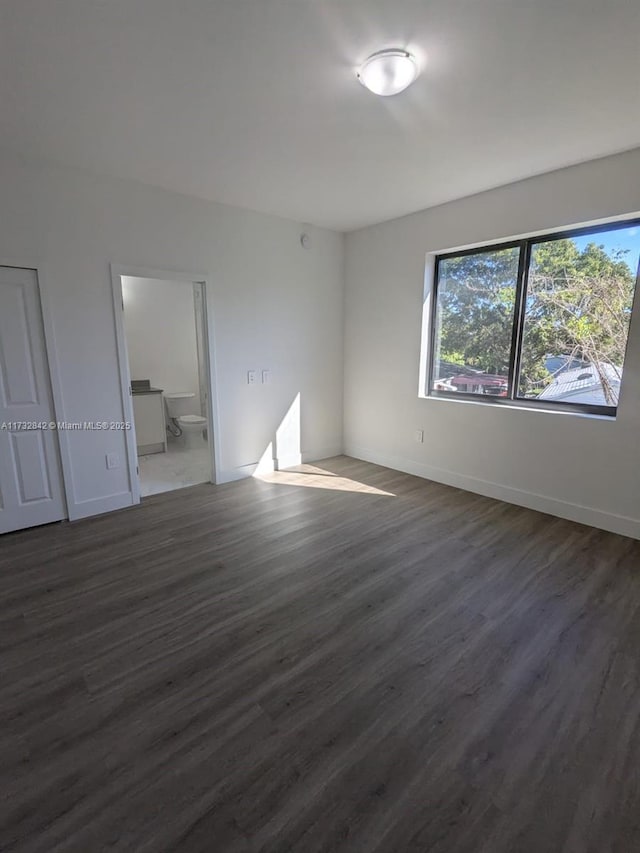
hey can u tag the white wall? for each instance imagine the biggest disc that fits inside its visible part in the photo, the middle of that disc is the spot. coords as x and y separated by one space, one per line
274 305
160 327
578 467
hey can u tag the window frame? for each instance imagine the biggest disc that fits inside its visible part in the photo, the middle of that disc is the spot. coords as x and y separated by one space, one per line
524 245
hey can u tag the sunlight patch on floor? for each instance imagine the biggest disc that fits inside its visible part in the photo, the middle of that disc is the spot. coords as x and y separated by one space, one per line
312 477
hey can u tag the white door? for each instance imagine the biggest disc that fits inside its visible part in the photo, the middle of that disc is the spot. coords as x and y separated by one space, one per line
201 332
30 478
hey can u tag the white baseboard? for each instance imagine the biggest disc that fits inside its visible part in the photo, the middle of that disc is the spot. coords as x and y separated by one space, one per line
322 453
289 461
542 503
230 475
96 506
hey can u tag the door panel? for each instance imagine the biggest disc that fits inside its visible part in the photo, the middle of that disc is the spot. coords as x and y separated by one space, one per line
16 357
30 477
30 459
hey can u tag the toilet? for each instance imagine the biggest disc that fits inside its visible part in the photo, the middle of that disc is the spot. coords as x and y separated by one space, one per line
180 413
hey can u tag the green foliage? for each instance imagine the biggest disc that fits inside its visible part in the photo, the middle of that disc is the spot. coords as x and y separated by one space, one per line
453 357
578 304
476 302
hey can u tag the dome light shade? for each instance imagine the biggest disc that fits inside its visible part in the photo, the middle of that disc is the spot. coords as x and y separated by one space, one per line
388 72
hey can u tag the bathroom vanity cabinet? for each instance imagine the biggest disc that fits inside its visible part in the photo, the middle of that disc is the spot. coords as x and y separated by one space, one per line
148 414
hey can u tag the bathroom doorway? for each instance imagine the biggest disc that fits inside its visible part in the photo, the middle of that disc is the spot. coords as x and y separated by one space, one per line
166 371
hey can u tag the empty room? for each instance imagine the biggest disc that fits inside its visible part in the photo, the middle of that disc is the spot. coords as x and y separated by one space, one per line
319 426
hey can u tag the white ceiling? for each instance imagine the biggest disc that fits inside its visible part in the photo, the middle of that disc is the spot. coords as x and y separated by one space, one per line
255 102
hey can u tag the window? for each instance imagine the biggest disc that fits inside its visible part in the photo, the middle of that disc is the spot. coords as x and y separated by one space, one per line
543 320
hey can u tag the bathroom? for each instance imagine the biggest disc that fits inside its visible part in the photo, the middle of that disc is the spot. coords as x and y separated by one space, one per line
166 337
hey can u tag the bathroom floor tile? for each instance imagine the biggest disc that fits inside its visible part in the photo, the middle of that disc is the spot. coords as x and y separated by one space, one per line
175 469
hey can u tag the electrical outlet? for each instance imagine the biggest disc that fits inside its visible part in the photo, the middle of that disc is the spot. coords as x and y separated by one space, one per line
266 377
251 377
419 436
113 460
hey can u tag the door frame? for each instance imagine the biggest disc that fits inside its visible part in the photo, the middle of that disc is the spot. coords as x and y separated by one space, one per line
53 372
213 422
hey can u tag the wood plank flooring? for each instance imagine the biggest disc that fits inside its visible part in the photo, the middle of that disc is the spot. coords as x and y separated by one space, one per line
342 658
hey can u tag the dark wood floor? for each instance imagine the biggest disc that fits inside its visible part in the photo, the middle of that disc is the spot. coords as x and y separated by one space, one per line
349 660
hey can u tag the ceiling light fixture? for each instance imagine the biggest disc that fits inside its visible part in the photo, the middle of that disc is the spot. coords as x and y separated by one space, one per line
388 72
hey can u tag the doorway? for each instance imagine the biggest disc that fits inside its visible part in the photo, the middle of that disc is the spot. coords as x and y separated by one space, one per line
166 368
31 485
